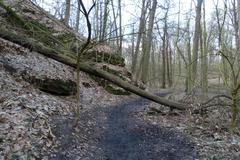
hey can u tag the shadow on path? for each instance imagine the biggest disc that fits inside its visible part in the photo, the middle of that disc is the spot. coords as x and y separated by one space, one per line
125 138
119 136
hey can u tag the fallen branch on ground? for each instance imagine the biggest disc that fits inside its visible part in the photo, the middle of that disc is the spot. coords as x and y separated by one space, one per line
208 104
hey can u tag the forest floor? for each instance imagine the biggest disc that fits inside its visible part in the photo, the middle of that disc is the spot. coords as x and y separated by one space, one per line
129 130
39 125
115 133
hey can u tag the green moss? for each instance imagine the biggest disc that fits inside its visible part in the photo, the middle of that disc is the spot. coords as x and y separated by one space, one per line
26 10
96 56
66 38
32 28
11 15
114 72
109 87
57 87
24 23
36 25
41 32
116 91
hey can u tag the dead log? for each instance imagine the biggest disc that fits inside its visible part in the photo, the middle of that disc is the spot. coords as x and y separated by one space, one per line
86 67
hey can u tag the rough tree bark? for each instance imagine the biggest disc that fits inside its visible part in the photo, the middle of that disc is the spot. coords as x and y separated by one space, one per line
148 43
204 57
67 12
85 67
120 28
164 51
196 39
139 38
82 50
105 20
77 18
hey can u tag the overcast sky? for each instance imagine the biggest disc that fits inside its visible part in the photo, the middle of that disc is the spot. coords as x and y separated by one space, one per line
131 8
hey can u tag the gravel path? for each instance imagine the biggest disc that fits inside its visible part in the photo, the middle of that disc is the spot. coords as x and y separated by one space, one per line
119 136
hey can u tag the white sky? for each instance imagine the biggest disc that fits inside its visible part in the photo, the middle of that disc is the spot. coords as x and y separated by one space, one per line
131 8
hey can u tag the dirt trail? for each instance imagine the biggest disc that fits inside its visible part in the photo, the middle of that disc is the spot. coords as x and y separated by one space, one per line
121 137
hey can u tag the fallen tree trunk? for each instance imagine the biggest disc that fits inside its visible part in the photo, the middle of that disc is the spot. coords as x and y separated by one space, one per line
86 67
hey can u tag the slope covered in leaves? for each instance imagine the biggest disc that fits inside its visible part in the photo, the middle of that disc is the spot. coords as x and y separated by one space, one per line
28 20
25 131
25 110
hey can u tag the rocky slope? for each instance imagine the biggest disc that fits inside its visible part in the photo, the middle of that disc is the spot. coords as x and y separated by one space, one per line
37 101
26 19
34 88
25 131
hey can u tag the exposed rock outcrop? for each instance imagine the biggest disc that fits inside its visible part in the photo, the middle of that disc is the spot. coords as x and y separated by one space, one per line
30 19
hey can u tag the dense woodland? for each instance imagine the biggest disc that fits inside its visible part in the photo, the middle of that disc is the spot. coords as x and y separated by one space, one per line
166 43
183 55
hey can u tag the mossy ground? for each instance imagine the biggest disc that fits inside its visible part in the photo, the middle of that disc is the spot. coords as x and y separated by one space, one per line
57 87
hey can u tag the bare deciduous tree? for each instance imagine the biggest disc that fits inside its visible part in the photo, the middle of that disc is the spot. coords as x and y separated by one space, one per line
67 12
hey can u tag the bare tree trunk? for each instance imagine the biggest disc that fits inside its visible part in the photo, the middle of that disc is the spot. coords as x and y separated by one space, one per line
176 45
133 44
79 53
204 58
77 18
120 27
188 67
115 24
153 65
221 42
96 21
101 15
105 20
159 62
140 33
140 68
237 32
164 51
196 39
164 60
67 12
168 63
148 42
170 68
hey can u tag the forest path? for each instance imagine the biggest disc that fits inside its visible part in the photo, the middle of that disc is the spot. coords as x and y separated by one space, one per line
120 136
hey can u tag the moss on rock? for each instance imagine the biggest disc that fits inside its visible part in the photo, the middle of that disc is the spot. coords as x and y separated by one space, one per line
110 87
62 41
66 39
116 90
97 56
57 86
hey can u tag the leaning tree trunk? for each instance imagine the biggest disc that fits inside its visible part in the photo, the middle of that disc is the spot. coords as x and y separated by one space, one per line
88 68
